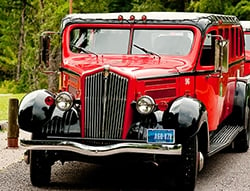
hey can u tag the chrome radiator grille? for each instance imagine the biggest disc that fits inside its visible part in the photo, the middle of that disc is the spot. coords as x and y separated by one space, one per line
105 100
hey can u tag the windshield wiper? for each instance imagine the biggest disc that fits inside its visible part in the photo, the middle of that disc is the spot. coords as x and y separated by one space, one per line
146 51
83 49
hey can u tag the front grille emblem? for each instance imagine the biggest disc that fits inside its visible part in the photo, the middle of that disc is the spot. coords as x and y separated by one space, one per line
106 71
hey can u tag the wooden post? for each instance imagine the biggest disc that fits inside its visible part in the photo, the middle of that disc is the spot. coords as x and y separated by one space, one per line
70 6
13 129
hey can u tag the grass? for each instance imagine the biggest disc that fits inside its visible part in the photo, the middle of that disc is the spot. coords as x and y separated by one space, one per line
4 103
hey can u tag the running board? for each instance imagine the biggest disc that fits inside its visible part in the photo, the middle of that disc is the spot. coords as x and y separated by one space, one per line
223 138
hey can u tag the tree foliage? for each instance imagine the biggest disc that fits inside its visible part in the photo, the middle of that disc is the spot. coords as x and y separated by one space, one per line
23 21
242 10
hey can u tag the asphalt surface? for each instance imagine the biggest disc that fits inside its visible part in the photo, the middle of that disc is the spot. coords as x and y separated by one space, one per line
222 172
10 155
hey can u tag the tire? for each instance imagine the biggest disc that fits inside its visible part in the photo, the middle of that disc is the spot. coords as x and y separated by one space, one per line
40 168
241 142
189 168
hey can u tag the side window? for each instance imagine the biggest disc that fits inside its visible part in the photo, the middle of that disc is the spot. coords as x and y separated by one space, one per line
247 41
232 46
226 33
207 54
237 43
241 42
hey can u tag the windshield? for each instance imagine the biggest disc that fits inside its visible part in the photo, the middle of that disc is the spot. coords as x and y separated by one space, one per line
247 41
144 41
168 42
100 41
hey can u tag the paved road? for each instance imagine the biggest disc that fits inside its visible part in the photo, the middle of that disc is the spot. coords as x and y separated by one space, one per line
223 172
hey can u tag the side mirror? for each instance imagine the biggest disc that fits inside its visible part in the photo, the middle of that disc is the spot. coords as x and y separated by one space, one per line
221 55
45 46
44 50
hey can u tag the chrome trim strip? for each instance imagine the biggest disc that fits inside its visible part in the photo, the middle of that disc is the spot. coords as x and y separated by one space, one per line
144 148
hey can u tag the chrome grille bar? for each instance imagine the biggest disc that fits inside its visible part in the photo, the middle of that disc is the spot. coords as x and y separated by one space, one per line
105 100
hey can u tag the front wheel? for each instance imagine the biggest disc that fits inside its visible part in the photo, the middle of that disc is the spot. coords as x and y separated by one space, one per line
40 168
190 163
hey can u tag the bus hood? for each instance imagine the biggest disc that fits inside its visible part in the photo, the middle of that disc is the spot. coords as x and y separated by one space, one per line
148 66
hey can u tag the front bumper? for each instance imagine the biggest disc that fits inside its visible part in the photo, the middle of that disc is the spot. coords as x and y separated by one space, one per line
87 150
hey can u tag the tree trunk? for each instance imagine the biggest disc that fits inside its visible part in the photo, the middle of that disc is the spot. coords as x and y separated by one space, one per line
54 60
53 76
21 42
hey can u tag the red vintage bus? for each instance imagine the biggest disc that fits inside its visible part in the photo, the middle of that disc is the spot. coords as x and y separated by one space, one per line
145 85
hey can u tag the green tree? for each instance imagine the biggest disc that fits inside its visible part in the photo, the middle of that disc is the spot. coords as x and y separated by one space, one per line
23 21
91 6
120 5
9 37
242 10
148 5
206 6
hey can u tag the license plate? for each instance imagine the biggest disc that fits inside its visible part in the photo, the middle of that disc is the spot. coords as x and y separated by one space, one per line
161 136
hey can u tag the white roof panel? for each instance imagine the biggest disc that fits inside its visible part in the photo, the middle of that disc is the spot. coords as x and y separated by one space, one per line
245 25
138 15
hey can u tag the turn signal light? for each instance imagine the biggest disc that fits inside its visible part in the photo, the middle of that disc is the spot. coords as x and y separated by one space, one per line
162 106
49 101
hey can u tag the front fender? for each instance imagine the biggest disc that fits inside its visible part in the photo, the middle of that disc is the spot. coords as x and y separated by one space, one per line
33 111
240 100
185 115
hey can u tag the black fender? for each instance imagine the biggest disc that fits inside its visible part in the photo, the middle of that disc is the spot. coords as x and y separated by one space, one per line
186 115
33 111
241 98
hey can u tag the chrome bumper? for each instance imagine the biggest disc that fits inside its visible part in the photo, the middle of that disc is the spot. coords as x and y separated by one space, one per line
143 148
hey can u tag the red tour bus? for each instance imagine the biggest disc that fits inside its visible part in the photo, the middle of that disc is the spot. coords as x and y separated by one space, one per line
149 86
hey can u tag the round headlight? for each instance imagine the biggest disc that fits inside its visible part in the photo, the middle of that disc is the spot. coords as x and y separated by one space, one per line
64 101
145 105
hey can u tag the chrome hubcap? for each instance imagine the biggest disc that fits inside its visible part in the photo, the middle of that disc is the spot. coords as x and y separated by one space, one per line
201 161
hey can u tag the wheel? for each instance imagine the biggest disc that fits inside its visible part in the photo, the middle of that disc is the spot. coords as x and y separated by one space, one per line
40 168
241 142
190 163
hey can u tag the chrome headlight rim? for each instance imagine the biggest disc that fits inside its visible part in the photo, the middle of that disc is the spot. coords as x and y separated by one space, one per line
145 105
64 101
